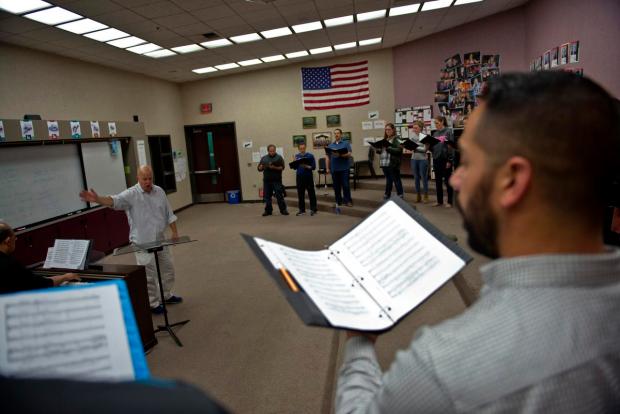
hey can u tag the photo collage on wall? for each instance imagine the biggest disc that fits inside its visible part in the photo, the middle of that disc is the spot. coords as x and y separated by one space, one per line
461 83
565 54
405 117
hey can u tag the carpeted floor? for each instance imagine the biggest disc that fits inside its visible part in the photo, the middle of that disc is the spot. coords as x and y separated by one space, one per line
244 345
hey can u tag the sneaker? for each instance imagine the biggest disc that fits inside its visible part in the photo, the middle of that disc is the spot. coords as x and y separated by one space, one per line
266 214
425 199
349 204
448 205
312 212
437 204
300 213
157 310
173 300
284 213
418 198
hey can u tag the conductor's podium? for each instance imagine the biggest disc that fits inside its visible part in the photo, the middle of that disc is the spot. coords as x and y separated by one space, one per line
135 278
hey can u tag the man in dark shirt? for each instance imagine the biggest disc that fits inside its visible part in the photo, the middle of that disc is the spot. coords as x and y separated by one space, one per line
14 276
305 181
272 165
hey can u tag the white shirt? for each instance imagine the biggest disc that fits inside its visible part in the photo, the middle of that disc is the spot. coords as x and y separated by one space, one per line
148 213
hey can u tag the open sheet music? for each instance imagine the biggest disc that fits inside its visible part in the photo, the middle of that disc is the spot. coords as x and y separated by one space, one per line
67 254
374 275
86 332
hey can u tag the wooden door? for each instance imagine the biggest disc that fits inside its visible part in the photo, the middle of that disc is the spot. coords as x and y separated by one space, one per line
213 161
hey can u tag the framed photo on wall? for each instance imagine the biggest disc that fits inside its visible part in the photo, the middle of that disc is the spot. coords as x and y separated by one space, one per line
298 139
546 60
555 52
346 136
321 139
308 122
333 121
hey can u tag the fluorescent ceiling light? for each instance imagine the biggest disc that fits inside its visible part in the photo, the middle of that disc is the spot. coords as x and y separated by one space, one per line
377 14
307 27
437 4
106 35
370 41
296 54
216 43
187 48
273 58
345 45
338 21
282 31
320 50
205 70
227 66
459 2
82 26
160 53
22 6
149 47
126 42
250 62
250 37
399 11
53 16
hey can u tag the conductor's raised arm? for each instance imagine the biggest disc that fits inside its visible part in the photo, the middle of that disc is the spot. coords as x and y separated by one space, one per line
92 197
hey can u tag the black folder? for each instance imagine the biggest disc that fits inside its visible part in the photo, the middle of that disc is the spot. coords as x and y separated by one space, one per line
301 161
340 151
409 144
432 141
307 309
381 144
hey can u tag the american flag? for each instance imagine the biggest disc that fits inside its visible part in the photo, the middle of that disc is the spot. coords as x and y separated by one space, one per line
335 86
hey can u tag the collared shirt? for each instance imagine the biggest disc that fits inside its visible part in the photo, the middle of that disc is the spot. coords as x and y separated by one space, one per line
543 337
339 163
148 213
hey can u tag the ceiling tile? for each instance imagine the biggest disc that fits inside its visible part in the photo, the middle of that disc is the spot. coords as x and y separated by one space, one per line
362 6
236 30
337 35
48 34
286 43
159 9
16 24
336 11
225 22
160 34
176 20
315 39
92 8
74 42
120 18
191 5
193 29
213 13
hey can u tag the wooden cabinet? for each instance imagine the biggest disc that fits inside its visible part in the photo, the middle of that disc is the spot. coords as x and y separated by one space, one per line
108 228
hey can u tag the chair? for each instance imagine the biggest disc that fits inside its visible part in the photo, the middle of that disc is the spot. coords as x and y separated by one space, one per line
368 163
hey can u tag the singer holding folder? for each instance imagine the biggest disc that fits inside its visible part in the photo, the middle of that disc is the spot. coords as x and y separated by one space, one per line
149 213
339 164
543 336
305 180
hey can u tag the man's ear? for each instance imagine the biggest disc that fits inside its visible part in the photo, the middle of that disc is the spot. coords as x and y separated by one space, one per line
514 181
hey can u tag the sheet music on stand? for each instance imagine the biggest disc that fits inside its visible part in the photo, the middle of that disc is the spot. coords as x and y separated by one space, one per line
135 247
67 254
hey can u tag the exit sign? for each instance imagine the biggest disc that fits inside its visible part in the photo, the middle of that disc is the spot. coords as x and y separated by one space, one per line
206 108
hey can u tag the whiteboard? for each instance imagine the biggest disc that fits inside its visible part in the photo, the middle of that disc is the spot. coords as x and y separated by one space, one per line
105 172
39 182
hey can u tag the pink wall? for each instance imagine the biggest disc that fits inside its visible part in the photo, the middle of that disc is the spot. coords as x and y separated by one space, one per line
518 35
595 23
417 63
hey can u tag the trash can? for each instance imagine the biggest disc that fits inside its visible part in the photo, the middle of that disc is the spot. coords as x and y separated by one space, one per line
232 196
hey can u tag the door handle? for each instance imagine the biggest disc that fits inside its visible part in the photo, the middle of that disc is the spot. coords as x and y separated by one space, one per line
218 171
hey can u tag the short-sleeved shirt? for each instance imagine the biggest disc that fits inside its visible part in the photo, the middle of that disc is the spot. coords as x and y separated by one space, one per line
148 213
269 175
339 163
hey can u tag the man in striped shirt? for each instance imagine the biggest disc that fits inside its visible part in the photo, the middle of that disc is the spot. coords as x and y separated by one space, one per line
544 335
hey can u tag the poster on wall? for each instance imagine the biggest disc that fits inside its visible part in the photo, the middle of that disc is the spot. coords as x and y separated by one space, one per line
76 130
554 56
112 128
27 130
94 128
53 131
574 52
546 60
564 54
2 135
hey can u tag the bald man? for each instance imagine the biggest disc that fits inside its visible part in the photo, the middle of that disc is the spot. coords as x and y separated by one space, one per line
149 213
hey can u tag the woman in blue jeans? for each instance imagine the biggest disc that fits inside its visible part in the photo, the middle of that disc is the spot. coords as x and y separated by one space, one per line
419 162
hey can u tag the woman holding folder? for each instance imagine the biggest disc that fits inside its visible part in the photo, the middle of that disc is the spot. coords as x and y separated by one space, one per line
389 160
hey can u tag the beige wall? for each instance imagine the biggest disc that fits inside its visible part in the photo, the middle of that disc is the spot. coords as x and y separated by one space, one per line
60 88
266 108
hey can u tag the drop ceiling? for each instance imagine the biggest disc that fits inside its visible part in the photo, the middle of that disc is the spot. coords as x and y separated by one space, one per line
173 23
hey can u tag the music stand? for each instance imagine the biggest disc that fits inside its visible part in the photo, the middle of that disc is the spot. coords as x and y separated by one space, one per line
154 247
